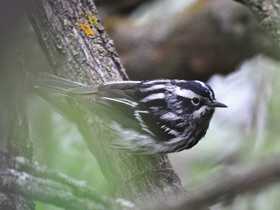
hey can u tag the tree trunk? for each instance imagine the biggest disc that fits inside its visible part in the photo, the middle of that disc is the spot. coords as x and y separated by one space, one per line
14 136
79 49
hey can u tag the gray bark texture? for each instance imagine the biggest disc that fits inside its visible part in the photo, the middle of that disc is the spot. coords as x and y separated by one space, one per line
79 49
10 198
267 12
15 137
22 179
18 143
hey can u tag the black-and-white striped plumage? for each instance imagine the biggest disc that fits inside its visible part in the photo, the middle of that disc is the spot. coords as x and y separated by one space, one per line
151 117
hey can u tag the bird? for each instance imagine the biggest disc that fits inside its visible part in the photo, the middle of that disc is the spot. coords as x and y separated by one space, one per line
158 116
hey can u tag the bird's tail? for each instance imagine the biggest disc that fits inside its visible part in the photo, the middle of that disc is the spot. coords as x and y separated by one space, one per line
56 84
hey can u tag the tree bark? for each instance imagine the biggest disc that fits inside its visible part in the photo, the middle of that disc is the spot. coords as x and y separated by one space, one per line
109 7
247 177
10 198
267 13
79 49
15 140
176 46
18 143
30 180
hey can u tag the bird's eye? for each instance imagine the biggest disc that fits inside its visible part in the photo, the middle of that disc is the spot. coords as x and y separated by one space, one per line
195 101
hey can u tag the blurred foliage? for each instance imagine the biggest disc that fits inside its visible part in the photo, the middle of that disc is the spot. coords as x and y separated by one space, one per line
214 158
59 145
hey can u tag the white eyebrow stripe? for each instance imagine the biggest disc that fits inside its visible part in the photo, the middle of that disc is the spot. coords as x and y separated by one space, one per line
185 93
202 84
153 97
205 86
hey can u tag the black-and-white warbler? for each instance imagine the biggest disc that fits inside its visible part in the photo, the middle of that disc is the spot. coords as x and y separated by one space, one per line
150 117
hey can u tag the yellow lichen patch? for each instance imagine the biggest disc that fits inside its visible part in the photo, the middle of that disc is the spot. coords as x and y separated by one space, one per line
87 29
92 19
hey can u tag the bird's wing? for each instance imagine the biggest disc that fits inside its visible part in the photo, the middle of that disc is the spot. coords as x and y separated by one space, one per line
118 89
116 100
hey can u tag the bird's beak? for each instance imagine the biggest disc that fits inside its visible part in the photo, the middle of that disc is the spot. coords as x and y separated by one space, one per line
216 104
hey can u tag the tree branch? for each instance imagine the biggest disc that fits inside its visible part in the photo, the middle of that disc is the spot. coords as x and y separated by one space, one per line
78 48
79 187
253 176
109 7
13 94
267 12
177 47
45 185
